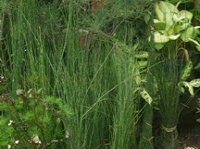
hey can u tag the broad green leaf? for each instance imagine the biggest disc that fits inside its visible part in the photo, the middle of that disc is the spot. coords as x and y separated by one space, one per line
159 12
195 83
168 20
174 37
187 70
179 26
159 46
138 79
169 10
167 7
182 90
188 34
142 64
198 48
190 88
186 14
160 38
197 45
147 18
142 54
145 95
159 25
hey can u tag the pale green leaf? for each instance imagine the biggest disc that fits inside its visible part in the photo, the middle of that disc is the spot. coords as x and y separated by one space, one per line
160 38
159 13
168 10
187 70
147 18
142 64
159 46
197 45
142 54
190 88
178 27
159 25
188 34
167 7
186 14
145 95
138 79
174 37
195 83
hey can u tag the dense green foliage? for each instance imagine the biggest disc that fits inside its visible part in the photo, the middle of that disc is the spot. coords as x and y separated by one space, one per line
32 121
86 74
83 55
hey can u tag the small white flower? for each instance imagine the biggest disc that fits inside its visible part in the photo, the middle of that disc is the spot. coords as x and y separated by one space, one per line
2 77
17 142
10 122
9 146
36 140
19 91
67 134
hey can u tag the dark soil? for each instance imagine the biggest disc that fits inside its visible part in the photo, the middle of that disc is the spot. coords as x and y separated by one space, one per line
189 130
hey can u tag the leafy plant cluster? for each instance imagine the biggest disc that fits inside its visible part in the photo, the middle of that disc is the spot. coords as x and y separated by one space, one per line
33 121
172 24
171 30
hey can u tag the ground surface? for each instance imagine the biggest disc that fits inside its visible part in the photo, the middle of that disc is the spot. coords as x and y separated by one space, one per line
189 130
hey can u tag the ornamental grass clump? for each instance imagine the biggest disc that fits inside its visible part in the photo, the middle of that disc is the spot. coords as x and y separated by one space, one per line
171 30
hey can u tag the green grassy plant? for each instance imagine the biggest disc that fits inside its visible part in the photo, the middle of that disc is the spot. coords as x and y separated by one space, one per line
172 29
70 52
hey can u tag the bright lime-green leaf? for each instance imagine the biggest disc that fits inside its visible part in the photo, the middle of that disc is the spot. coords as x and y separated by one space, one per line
190 88
177 18
145 95
142 54
178 27
186 14
159 25
159 46
142 64
138 79
174 37
188 34
197 45
160 38
159 12
168 20
167 7
169 10
187 70
147 18
182 90
195 83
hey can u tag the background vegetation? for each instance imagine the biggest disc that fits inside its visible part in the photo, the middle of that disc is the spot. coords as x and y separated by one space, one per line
81 66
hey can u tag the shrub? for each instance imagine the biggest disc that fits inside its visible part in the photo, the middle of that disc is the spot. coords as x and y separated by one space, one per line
33 121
